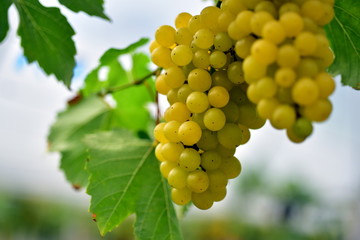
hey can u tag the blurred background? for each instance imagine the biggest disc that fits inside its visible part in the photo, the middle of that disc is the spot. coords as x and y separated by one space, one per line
286 191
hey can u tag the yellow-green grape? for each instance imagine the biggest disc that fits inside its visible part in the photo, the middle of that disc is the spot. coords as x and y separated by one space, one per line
210 160
273 32
249 117
199 80
177 177
197 102
183 36
179 112
307 67
181 196
202 200
231 112
171 151
161 86
174 77
154 44
238 96
327 16
253 93
158 152
293 137
264 52
188 68
183 93
235 32
197 181
322 44
189 133
231 167
217 59
310 26
204 38
220 78
208 140
283 116
305 43
189 159
292 23
159 133
266 107
195 24
165 36
222 41
171 131
225 152
182 20
225 18
305 91
218 195
326 58
245 134
318 111
201 59
285 77
267 6
172 96
266 87
218 96
235 72
284 95
243 22
325 83
230 135
288 56
243 46
312 9
217 180
233 6
181 55
161 56
253 69
258 21
209 16
302 127
289 7
199 119
166 167
214 119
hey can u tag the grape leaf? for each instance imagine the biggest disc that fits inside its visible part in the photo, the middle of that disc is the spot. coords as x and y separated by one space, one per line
46 37
91 7
124 179
4 23
344 36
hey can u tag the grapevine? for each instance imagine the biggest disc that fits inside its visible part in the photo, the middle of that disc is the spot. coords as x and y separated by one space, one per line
229 69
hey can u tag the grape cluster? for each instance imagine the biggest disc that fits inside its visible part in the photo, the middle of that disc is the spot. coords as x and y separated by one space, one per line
228 70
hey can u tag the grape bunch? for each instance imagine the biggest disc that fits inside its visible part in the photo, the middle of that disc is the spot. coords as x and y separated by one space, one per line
228 70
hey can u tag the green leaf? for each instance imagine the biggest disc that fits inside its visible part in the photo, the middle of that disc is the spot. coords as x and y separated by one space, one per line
46 37
124 179
91 7
4 23
344 35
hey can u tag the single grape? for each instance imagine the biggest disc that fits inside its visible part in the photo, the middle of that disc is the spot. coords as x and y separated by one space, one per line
189 159
181 196
189 133
197 181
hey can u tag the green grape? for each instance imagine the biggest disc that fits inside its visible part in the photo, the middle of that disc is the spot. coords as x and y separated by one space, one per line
249 117
161 86
154 44
159 133
174 77
305 91
189 133
224 20
233 6
235 72
197 102
218 96
231 112
217 180
199 119
266 87
288 56
171 151
214 119
189 159
181 55
325 83
161 56
245 134
199 80
243 22
219 78
158 152
318 111
235 31
259 20
285 77
273 32
266 107
293 137
177 177
181 196
208 140
238 96
327 16
210 160
222 41
166 167
209 16
201 59
284 95
218 195
225 152
182 20
289 7
253 69
302 127
183 36
292 23
202 200
264 52
243 46
172 95
307 68
283 116
230 135
197 181
165 36
195 24
188 68
204 38
217 59
310 26
183 92
171 131
305 43
267 6
231 167
312 9
178 112
253 93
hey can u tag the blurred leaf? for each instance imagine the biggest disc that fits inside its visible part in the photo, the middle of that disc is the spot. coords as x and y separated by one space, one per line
124 179
4 24
343 33
46 38
91 7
